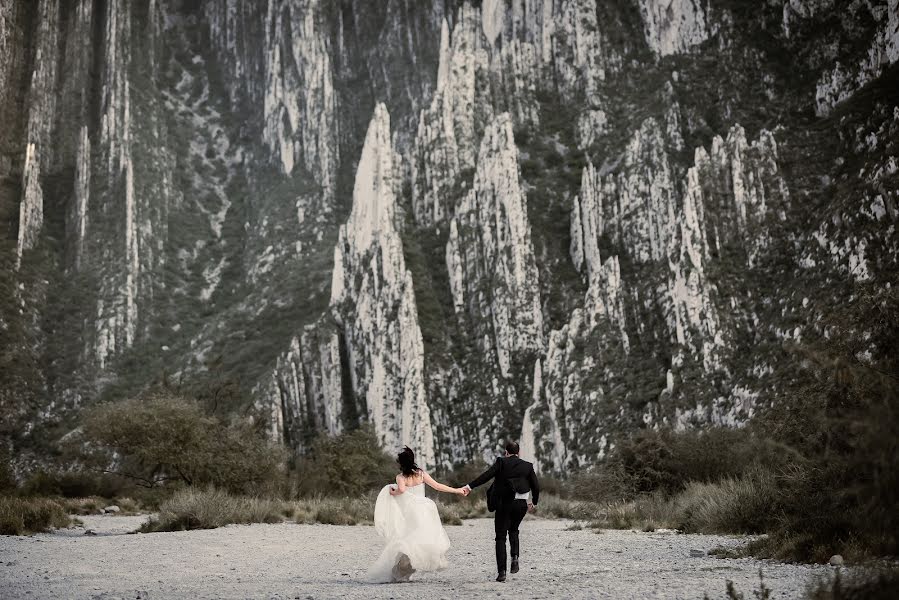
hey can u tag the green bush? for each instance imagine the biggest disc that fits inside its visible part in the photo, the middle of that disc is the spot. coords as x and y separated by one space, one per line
72 484
843 419
349 464
667 461
163 437
24 516
732 505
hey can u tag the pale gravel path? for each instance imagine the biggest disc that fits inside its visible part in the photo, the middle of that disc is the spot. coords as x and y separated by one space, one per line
325 561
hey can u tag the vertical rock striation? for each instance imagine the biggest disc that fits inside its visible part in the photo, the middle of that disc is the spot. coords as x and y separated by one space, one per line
41 116
373 301
490 257
669 234
673 26
300 104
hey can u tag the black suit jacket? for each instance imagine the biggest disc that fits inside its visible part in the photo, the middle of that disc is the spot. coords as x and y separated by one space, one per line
512 475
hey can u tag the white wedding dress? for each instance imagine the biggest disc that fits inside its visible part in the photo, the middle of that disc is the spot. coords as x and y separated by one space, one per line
415 538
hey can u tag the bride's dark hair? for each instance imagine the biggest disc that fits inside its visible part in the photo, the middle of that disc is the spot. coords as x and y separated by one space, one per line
406 460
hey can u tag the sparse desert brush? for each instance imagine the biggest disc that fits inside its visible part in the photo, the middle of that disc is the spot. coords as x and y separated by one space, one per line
333 511
552 506
732 505
866 583
24 516
193 508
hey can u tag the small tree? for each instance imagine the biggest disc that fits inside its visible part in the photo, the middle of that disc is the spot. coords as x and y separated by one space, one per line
163 437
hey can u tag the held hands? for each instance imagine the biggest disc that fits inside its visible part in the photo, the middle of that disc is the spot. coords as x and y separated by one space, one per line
465 490
531 507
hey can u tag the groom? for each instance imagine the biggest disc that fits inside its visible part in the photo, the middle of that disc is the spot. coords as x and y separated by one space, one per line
514 480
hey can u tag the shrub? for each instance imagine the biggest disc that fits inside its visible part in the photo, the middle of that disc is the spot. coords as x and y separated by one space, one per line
93 505
331 511
554 507
602 483
194 508
668 461
647 512
861 584
23 516
7 478
732 505
349 464
72 484
163 437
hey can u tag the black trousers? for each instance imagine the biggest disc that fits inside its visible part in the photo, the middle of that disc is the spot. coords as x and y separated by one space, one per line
508 518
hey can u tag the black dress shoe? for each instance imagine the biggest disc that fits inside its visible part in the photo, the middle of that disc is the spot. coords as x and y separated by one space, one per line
501 576
514 568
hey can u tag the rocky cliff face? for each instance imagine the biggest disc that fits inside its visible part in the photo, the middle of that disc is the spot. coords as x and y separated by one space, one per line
559 220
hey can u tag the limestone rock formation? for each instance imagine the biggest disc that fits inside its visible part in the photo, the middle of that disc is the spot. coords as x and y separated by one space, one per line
559 220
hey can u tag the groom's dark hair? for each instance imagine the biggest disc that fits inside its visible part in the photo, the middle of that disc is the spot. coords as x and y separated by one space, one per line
512 447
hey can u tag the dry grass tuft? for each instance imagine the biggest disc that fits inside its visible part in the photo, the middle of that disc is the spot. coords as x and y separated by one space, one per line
24 516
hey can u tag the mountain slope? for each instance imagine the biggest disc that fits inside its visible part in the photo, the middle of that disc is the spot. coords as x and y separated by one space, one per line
554 220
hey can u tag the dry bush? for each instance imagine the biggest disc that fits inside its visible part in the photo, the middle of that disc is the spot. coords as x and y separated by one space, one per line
331 510
732 505
194 508
24 516
870 583
93 505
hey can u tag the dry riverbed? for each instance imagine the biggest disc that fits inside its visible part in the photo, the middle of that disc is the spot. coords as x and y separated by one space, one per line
327 561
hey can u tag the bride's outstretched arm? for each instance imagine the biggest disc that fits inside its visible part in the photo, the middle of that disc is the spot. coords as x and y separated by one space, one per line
439 486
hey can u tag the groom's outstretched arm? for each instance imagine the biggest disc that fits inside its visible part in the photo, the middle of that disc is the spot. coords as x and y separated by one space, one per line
486 475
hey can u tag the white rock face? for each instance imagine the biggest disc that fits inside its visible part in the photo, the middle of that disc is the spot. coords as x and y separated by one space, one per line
41 115
300 104
842 81
673 26
604 299
796 10
373 300
117 313
82 191
306 383
727 199
137 202
636 203
447 132
496 59
235 28
754 188
490 256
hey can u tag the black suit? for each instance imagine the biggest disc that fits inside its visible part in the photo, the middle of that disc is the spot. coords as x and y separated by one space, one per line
511 475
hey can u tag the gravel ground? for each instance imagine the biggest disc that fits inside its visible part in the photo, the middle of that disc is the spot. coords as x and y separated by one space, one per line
326 561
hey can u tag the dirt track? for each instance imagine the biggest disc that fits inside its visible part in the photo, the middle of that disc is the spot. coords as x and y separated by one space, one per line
324 561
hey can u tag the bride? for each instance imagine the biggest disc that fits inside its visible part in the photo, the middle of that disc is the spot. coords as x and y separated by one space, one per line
410 525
